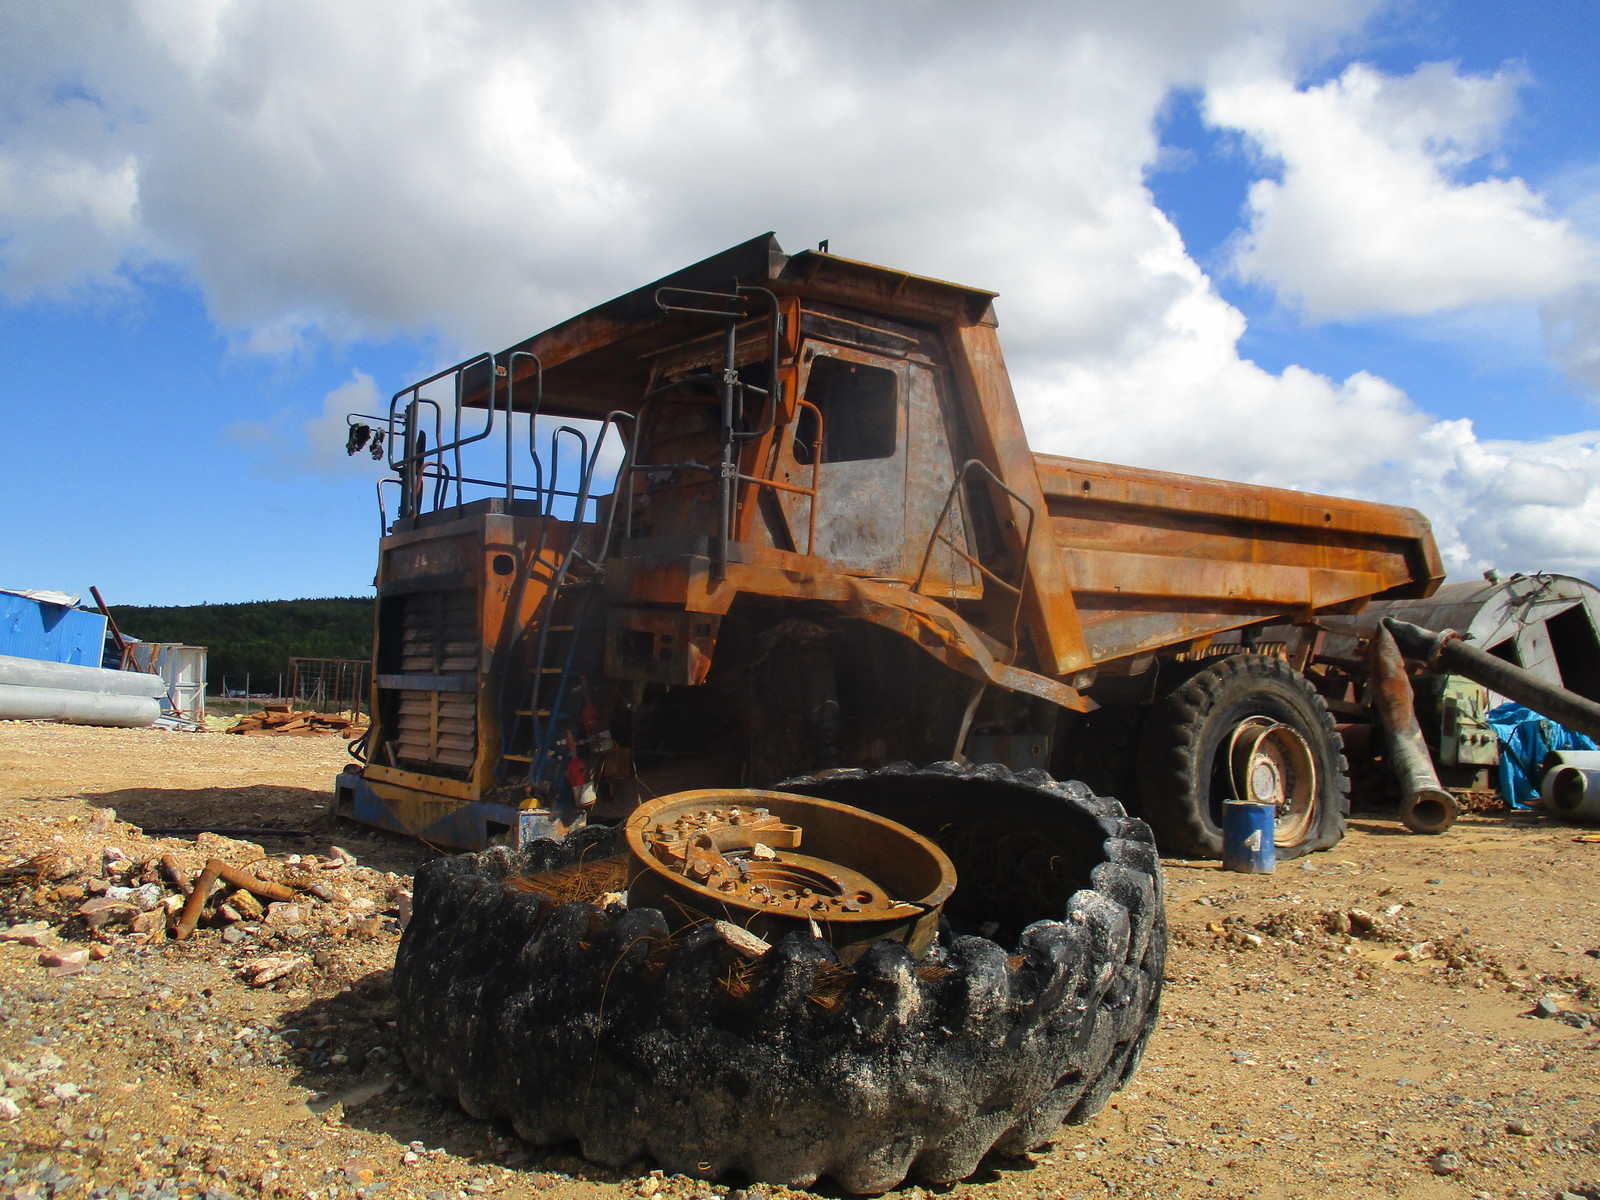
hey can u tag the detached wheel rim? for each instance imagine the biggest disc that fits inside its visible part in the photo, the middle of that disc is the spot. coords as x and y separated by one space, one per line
1272 763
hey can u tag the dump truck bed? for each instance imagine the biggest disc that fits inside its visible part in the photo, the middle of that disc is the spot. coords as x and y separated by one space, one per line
1154 559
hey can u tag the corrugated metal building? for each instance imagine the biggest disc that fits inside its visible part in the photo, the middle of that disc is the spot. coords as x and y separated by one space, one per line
47 626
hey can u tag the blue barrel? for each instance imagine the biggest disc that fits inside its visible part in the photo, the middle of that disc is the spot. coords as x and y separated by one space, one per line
1247 833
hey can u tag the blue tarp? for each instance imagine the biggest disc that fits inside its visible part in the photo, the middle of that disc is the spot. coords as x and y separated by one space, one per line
1525 738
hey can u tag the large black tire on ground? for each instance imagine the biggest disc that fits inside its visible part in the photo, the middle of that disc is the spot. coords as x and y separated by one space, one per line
578 1024
1179 790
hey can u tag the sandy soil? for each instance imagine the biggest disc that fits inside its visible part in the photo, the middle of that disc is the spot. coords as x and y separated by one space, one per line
1359 1025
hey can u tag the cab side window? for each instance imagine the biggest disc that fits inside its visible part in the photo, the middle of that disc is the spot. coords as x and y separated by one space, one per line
859 414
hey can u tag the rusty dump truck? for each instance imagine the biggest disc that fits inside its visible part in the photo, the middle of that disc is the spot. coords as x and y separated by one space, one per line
777 514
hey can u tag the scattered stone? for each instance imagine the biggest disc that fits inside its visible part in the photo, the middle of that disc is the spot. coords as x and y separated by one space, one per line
267 970
64 958
9 1110
153 921
1446 1163
1546 1008
1577 1020
282 914
741 940
32 933
1362 922
98 952
106 910
1519 1127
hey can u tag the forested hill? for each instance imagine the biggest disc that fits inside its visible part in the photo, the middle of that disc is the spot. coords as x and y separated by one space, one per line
258 637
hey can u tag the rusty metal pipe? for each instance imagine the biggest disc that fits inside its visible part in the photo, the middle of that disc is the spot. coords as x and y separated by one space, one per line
1425 806
216 869
1448 651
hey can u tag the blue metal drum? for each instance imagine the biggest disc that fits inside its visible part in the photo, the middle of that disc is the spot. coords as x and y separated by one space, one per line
1247 837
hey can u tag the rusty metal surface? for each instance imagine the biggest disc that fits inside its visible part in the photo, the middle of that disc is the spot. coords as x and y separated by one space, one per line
200 892
774 861
1155 558
994 423
1043 569
1425 806
937 629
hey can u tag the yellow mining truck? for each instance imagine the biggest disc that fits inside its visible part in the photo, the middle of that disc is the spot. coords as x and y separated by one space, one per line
776 514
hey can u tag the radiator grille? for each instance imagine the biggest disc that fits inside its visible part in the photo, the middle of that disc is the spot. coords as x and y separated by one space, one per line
439 636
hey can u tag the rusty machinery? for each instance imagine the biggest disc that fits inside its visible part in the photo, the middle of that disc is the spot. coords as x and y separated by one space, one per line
777 513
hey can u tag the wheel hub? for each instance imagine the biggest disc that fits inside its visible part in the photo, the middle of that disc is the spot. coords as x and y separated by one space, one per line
1271 763
734 854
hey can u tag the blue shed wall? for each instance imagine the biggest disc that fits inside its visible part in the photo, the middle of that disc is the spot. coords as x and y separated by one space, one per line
52 632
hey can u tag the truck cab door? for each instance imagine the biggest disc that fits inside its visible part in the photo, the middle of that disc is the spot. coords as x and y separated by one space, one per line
884 469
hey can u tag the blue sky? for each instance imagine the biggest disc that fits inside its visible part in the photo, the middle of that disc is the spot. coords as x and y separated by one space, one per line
1351 248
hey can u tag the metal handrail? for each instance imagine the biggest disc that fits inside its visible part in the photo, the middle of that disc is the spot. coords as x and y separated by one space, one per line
937 535
412 454
631 467
533 416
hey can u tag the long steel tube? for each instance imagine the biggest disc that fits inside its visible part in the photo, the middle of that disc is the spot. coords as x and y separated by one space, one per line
1448 651
728 469
1425 806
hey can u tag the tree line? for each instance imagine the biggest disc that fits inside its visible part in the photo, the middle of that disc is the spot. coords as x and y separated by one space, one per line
257 638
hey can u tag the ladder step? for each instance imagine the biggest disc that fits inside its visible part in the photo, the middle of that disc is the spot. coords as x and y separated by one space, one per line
517 758
528 712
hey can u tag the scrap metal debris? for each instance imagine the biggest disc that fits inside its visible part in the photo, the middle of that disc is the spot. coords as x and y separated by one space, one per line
280 719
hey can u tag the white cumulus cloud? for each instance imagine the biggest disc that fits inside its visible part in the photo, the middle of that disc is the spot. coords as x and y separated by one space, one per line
478 169
1372 214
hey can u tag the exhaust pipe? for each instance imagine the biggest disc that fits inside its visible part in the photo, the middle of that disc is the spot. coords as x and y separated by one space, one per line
1425 806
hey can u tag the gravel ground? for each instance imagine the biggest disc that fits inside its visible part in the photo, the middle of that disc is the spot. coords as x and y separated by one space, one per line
1366 1023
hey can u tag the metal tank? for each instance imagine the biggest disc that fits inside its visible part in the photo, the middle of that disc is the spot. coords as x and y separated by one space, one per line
1546 624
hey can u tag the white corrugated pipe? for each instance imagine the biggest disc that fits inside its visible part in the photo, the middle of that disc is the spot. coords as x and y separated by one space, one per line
33 672
80 708
33 690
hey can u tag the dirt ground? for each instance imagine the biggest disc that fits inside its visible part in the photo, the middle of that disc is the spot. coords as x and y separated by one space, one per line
1362 1024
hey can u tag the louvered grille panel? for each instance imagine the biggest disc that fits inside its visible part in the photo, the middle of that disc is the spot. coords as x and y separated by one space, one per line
439 636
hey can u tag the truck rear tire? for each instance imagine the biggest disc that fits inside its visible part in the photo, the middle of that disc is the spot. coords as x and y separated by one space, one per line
1184 756
577 1023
